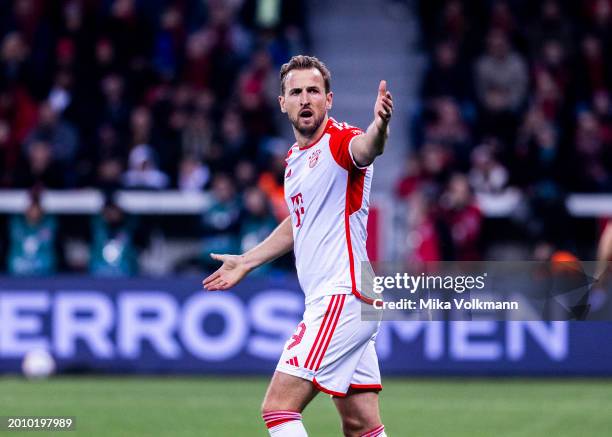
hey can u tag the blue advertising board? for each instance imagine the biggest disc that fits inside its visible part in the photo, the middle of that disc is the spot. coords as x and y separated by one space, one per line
169 325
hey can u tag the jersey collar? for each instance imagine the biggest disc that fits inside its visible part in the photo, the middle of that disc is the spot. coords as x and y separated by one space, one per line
329 121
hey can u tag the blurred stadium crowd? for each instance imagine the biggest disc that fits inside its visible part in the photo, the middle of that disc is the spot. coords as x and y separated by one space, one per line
135 94
516 94
181 94
126 94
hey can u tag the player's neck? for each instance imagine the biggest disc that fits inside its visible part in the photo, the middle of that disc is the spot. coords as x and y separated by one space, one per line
305 141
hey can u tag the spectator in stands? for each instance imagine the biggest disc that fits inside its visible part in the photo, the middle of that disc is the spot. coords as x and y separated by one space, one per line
280 27
109 173
496 119
462 217
109 148
534 119
553 60
600 20
548 96
257 221
141 126
446 76
40 169
450 130
33 242
271 182
221 220
169 43
129 32
8 154
233 136
59 134
437 162
503 70
113 250
197 136
215 51
502 17
540 165
550 24
454 24
193 174
258 80
422 236
592 69
487 175
602 109
245 174
411 179
254 100
594 157
15 68
19 109
143 172
105 61
114 108
61 98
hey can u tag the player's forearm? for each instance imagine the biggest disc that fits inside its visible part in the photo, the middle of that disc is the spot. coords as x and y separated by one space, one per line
278 243
367 147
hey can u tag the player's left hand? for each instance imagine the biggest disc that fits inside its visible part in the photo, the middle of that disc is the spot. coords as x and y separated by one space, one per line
383 108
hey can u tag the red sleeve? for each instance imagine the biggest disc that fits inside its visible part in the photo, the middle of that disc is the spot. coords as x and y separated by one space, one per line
341 136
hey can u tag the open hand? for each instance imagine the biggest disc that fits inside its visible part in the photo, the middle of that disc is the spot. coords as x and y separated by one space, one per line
229 274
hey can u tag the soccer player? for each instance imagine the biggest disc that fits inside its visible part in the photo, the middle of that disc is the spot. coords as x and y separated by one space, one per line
327 186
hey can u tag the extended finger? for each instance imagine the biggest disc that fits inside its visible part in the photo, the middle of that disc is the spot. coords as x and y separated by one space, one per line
216 283
382 87
217 257
221 285
211 278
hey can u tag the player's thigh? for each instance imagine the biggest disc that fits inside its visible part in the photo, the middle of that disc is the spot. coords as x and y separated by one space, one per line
359 411
288 392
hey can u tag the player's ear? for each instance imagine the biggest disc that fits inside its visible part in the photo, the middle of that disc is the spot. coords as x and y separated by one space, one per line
281 103
329 100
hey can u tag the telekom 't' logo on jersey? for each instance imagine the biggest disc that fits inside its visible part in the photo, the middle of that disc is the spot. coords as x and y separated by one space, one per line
298 208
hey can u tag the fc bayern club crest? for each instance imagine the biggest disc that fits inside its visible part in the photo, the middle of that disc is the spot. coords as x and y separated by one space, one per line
313 159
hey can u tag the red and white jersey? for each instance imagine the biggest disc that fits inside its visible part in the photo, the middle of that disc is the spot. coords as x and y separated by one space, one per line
328 198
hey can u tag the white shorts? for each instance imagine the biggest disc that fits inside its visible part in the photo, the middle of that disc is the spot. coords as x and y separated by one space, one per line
333 347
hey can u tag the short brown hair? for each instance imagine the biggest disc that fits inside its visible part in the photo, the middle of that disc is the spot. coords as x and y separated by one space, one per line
302 62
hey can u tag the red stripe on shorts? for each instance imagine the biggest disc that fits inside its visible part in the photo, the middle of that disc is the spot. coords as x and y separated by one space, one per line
333 328
328 325
321 329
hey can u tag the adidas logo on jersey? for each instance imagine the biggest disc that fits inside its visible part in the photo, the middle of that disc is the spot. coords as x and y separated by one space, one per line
293 362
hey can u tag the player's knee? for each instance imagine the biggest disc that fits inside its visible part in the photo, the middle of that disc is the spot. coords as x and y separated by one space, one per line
270 404
267 406
353 426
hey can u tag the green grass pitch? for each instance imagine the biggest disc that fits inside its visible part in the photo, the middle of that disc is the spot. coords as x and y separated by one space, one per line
210 406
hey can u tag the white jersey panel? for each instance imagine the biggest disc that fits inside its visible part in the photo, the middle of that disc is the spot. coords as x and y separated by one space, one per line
328 198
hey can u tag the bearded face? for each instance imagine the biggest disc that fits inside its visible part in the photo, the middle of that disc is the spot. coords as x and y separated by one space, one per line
305 100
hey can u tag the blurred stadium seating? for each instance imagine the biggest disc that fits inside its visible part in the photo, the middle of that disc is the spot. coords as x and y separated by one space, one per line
501 145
